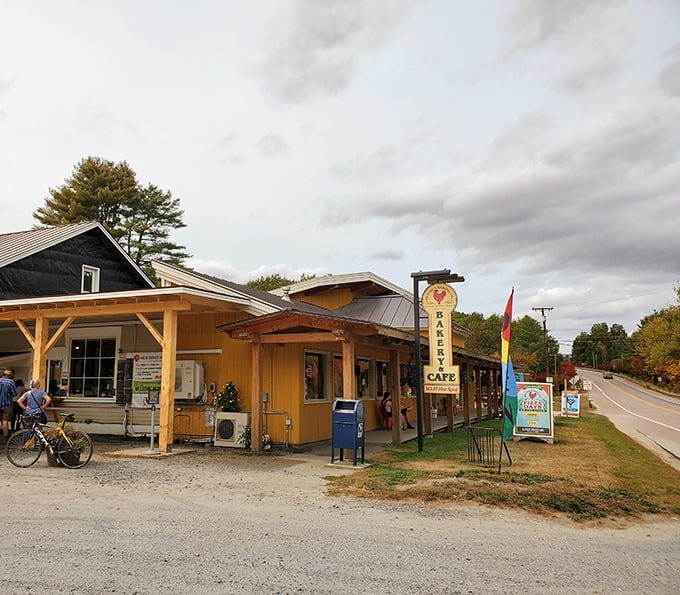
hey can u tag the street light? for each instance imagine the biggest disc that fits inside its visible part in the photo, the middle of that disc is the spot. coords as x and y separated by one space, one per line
440 276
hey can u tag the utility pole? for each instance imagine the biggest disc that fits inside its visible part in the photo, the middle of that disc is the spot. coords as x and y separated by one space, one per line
543 310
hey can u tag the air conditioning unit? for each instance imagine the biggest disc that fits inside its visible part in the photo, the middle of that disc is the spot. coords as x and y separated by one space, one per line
189 385
229 426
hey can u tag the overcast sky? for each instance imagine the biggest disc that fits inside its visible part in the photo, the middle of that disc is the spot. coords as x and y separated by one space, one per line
529 144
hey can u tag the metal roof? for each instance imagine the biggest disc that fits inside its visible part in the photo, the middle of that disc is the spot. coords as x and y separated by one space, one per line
389 310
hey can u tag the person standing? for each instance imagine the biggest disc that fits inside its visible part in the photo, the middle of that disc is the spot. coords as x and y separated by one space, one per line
35 401
8 391
16 410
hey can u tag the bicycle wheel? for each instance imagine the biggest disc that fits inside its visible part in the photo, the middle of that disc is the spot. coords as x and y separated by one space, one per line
75 450
23 448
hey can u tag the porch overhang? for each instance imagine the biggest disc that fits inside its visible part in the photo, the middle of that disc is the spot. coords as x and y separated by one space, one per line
302 327
33 317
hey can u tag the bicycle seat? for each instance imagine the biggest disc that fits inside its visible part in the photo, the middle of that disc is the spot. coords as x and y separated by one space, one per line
68 416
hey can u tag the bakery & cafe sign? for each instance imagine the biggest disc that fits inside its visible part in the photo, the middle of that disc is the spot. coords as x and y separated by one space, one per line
441 376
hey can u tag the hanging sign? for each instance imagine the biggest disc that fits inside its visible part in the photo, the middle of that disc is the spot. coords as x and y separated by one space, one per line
441 376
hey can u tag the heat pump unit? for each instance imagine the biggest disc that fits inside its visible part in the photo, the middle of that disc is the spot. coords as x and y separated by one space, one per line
229 427
189 385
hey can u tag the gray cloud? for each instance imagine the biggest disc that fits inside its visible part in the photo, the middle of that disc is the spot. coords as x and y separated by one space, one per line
273 145
669 78
386 254
312 45
535 22
583 202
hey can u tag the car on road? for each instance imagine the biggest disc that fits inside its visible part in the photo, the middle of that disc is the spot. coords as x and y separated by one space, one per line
607 375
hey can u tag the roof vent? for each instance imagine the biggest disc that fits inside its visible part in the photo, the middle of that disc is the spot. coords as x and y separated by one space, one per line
286 294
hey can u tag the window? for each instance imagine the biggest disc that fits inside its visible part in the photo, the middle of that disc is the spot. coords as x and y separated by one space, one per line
382 378
92 362
90 279
363 372
315 376
93 367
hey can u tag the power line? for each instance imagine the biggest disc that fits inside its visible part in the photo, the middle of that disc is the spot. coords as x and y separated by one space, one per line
543 310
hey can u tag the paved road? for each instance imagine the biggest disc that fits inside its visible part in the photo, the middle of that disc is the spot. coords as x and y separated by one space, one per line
648 417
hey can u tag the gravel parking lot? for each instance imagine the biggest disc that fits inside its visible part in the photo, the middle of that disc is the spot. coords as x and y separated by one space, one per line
217 521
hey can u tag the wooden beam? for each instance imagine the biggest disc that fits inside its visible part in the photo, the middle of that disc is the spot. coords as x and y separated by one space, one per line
395 389
256 423
465 393
29 337
96 310
42 326
286 338
165 433
349 377
59 332
151 328
478 392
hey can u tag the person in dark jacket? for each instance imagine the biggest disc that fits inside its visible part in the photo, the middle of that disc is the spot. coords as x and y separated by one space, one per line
8 391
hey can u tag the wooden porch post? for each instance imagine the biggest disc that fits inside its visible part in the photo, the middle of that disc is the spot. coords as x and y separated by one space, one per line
167 405
349 378
427 413
42 326
256 388
465 393
494 387
395 389
478 392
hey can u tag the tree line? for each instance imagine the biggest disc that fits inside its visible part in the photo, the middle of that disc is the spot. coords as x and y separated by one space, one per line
141 218
650 354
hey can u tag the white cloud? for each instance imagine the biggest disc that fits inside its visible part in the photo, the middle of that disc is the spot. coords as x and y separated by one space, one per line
530 144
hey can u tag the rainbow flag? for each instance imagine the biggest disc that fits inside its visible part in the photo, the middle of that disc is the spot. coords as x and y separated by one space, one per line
509 385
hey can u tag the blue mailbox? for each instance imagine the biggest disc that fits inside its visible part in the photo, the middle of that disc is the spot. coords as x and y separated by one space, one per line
348 428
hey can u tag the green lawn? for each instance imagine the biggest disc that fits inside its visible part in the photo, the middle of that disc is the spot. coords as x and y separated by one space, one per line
592 471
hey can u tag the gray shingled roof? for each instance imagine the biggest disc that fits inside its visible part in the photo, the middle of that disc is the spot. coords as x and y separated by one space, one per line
254 294
20 244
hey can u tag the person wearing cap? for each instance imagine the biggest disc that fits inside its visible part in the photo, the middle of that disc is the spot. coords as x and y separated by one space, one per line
8 391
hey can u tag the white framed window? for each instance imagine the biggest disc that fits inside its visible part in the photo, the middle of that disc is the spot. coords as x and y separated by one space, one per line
89 279
92 361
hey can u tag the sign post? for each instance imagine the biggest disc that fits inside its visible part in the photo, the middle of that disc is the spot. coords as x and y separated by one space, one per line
153 398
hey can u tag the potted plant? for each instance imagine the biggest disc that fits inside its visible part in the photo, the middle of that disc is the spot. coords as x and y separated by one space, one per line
228 399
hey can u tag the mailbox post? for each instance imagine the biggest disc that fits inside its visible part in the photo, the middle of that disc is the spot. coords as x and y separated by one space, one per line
348 428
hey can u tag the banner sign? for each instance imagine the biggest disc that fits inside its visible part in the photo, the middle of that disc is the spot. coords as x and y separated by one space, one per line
534 411
441 376
570 403
146 376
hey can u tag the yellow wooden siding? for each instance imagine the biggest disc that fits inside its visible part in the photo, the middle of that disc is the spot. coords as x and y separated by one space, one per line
331 299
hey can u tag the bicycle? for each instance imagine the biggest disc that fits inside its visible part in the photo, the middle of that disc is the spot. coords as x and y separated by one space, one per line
72 448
